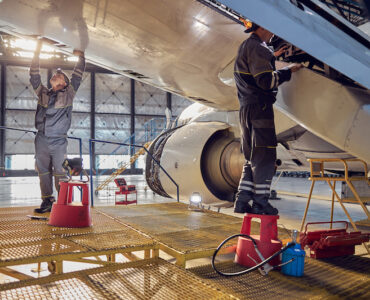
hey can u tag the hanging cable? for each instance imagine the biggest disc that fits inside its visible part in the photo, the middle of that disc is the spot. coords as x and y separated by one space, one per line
255 247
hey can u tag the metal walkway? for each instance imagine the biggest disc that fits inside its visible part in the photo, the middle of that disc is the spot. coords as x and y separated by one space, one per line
335 278
180 232
171 227
25 241
153 279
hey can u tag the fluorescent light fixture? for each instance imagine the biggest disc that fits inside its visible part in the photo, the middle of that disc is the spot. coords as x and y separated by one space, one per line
72 58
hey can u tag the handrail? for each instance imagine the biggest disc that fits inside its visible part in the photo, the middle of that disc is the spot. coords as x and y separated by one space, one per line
149 130
132 137
342 160
35 132
112 153
91 141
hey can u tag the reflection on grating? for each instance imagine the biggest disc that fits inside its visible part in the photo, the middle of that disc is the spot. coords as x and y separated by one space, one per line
73 288
168 217
155 224
173 225
39 249
24 232
16 227
139 210
198 240
341 277
101 224
33 240
155 279
126 238
159 209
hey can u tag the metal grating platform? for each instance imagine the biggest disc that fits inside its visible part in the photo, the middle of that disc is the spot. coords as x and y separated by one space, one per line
25 241
182 233
335 278
155 279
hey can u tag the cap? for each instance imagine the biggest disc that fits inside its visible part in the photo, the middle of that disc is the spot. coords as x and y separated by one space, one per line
249 25
66 79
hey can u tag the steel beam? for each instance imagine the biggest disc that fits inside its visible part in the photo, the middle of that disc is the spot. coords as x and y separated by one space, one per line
169 101
132 126
50 74
92 117
2 118
50 64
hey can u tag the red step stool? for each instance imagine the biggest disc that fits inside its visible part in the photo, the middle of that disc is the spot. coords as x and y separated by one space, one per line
267 241
125 190
331 242
66 213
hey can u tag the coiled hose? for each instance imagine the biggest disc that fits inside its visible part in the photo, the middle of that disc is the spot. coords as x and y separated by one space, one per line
255 246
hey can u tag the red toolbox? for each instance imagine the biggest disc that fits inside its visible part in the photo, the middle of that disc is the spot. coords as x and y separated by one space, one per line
332 242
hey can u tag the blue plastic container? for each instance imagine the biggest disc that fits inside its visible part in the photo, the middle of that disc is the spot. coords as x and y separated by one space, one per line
296 267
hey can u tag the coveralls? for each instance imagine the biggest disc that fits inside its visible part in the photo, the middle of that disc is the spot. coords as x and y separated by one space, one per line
257 80
52 121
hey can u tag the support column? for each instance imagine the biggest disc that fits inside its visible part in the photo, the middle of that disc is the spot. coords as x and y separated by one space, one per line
50 73
132 123
2 118
92 117
169 100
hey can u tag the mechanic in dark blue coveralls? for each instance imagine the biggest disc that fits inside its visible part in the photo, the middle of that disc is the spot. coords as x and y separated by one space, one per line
52 121
257 82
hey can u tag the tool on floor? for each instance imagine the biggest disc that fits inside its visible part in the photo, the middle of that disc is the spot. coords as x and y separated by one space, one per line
65 212
251 250
332 242
123 190
33 217
293 258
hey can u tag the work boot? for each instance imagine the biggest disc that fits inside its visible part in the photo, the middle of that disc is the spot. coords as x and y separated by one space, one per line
266 210
241 205
46 206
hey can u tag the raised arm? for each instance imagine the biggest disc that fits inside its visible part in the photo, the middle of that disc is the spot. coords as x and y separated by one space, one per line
35 78
263 71
78 70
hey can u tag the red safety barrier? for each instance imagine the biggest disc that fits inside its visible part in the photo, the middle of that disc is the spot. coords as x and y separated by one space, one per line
332 242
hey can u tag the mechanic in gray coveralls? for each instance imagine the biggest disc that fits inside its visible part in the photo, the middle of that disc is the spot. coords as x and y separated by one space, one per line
52 121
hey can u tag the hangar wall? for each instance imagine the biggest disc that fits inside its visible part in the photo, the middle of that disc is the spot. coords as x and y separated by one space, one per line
107 106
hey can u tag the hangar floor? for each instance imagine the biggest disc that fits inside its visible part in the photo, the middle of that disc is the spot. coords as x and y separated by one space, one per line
24 191
157 278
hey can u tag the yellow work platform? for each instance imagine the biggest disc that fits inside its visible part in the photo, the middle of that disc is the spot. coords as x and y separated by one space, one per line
145 279
334 278
24 241
182 233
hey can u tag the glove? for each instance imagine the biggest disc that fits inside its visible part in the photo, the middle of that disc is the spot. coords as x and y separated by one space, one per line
73 166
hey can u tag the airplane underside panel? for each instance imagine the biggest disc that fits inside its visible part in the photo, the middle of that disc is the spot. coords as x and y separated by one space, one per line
346 52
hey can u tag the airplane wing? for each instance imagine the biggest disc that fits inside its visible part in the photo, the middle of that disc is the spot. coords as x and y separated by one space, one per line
341 45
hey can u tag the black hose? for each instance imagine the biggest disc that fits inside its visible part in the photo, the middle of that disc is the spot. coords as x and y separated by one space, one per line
255 246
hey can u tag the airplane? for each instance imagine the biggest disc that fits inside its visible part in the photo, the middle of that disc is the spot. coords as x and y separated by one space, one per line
188 47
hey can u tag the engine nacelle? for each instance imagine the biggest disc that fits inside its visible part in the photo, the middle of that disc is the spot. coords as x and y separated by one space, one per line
202 155
199 157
